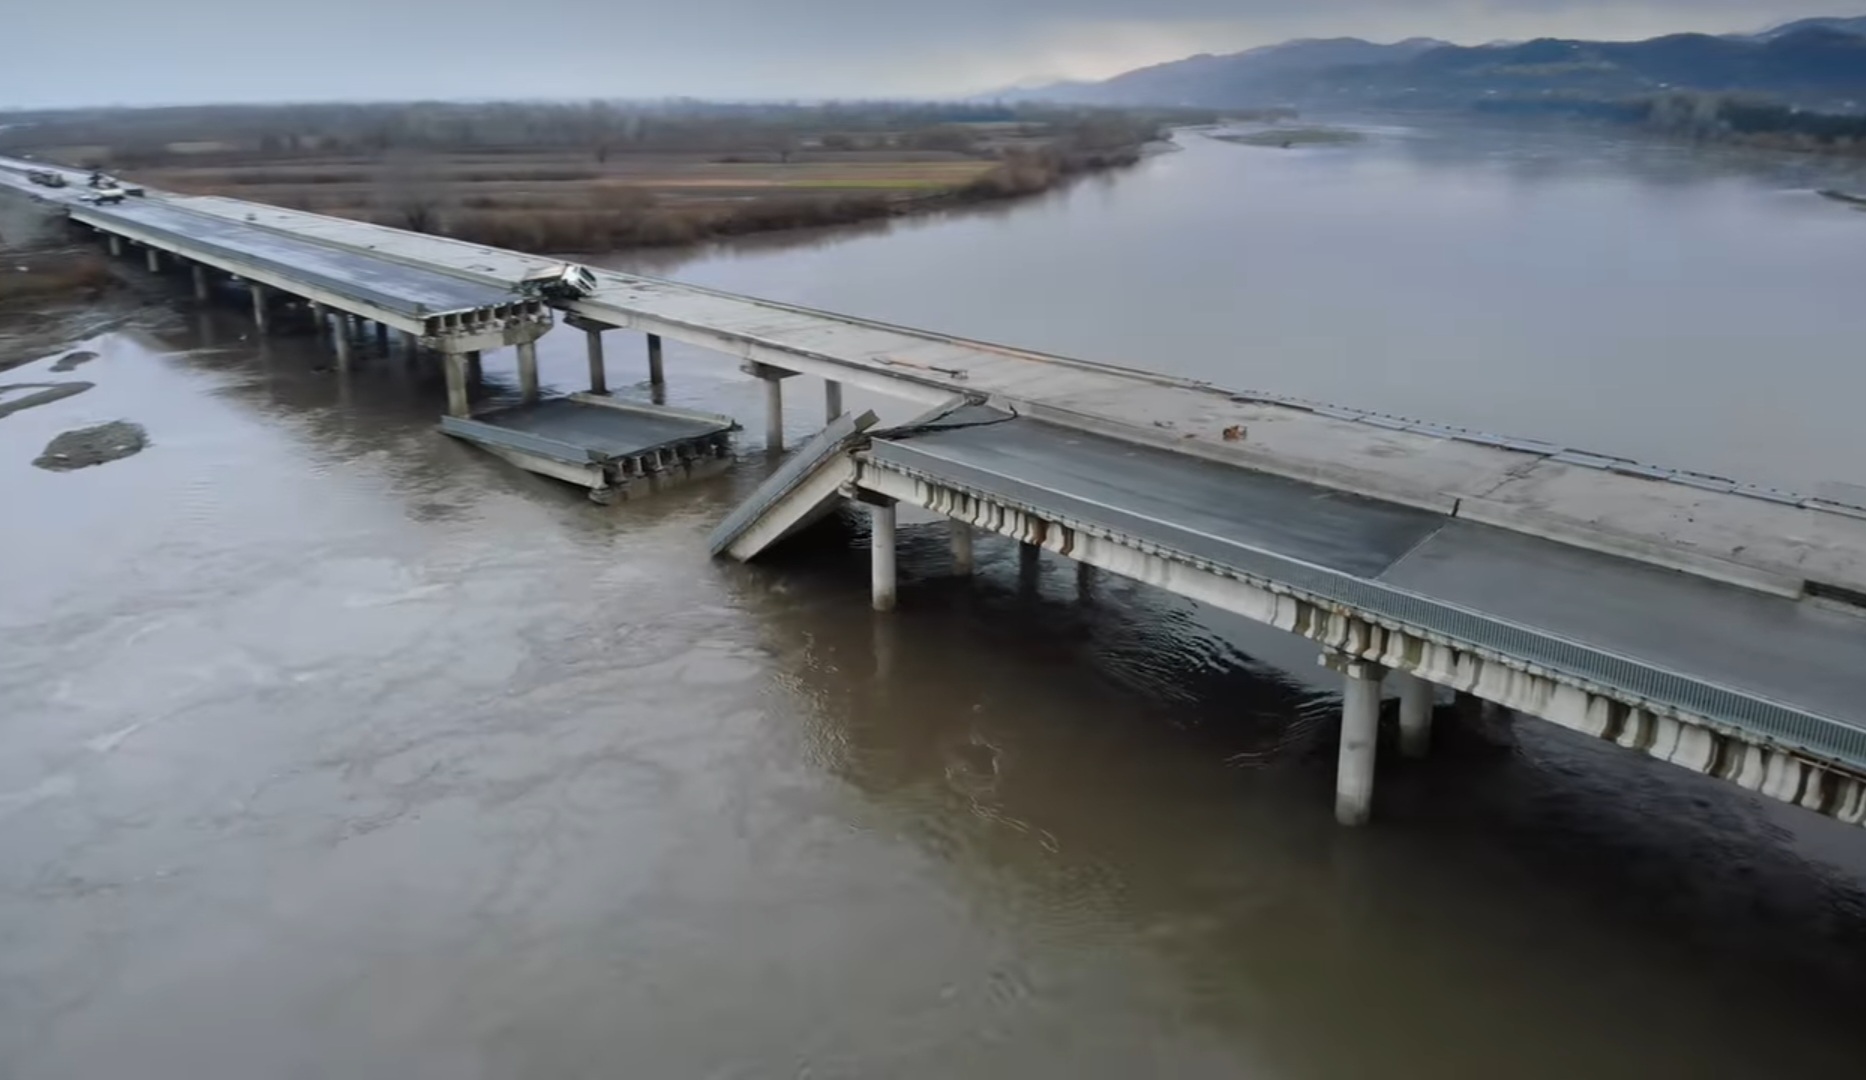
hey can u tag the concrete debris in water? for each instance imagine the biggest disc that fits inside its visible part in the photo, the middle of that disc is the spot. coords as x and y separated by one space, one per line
93 446
70 361
45 394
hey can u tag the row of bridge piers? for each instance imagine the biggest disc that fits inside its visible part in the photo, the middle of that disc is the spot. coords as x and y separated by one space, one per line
1364 684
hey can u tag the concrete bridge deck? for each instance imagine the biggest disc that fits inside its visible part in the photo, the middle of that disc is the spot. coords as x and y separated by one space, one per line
1780 542
1761 690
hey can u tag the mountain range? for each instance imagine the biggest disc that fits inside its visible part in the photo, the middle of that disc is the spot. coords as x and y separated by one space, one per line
1815 63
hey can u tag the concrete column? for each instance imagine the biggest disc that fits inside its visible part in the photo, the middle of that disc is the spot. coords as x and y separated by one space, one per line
1360 728
341 339
599 372
656 377
153 259
774 416
1085 580
200 282
528 371
832 400
320 318
961 546
259 306
1415 714
882 518
456 365
474 375
382 338
410 343
116 245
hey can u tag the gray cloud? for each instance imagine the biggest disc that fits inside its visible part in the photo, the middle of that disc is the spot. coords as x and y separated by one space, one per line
118 51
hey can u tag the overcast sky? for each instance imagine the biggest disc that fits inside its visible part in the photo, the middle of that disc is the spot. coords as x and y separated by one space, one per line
124 52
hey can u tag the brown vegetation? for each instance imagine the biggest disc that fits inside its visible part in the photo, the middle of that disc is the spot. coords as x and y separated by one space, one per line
36 277
554 178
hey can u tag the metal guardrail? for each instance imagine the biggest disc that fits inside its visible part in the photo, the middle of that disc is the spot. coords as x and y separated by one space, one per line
841 433
1790 727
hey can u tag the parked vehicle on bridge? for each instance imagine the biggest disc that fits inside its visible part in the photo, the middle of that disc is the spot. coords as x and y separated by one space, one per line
104 196
47 177
566 282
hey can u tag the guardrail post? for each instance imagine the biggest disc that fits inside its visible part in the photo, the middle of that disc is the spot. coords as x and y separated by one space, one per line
1415 696
832 399
528 371
1360 730
882 542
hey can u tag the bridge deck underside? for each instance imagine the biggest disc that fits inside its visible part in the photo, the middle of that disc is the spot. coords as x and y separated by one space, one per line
1777 650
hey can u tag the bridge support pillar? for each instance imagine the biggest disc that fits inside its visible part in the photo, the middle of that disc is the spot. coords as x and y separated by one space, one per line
320 318
961 546
200 282
774 422
259 306
341 340
882 541
1360 730
656 377
382 338
456 369
528 371
832 399
410 343
1415 716
1029 564
116 245
474 375
153 259
599 370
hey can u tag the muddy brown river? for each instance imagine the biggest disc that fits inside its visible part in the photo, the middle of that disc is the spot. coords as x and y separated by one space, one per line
335 748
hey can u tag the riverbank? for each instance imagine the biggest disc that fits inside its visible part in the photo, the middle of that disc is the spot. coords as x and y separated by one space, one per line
588 179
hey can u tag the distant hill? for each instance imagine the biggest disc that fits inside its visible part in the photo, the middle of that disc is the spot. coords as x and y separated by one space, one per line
1253 77
1853 25
1816 63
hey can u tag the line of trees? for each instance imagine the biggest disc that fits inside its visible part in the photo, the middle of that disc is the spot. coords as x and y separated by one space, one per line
155 136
